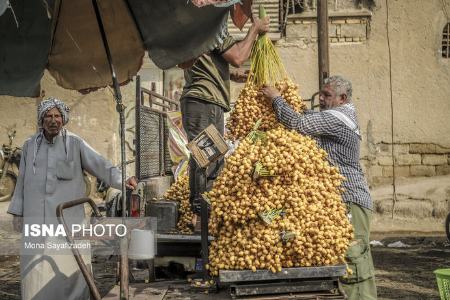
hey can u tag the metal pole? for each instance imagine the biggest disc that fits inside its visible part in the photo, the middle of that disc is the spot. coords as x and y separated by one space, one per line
137 118
95 294
204 230
120 109
322 33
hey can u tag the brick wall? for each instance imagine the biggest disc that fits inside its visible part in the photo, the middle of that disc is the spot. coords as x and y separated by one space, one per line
342 28
410 160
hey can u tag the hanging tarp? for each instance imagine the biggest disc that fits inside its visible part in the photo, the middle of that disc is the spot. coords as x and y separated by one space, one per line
178 31
24 47
4 4
78 59
64 37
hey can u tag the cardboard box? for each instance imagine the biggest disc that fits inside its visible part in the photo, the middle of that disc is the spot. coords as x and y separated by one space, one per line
208 146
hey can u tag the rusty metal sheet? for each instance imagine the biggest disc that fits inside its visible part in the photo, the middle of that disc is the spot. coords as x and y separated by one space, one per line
282 287
286 273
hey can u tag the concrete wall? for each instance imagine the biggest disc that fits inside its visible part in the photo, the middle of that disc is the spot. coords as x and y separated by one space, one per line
409 59
359 50
91 117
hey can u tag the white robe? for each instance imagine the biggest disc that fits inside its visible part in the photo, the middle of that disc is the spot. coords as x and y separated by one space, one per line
38 192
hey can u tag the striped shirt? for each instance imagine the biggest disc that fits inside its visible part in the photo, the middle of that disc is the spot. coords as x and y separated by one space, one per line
334 136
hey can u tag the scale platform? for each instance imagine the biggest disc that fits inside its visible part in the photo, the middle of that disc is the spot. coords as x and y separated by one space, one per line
311 282
187 245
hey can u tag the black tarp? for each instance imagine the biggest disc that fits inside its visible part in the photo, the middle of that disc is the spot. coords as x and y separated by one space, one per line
172 31
24 49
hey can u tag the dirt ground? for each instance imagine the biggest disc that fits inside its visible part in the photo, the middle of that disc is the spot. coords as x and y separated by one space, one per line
401 273
407 273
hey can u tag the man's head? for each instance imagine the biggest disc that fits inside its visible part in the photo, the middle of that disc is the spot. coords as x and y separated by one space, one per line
336 91
52 115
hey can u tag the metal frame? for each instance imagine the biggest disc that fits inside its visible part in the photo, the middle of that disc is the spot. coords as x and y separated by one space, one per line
228 276
312 101
273 9
204 214
150 102
286 287
324 280
446 41
84 270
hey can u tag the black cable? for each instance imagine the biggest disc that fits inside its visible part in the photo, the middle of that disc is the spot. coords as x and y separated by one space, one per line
394 191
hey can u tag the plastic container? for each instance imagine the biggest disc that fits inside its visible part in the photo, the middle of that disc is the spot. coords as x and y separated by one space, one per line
142 244
443 281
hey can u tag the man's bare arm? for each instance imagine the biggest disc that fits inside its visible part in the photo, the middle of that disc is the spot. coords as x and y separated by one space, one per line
240 52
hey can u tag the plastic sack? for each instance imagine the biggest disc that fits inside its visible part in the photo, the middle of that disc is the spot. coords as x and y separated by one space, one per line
177 141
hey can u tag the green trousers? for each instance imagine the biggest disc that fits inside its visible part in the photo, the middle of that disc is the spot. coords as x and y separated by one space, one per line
360 285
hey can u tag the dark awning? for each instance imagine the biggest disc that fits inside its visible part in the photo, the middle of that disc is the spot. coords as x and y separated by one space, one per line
63 36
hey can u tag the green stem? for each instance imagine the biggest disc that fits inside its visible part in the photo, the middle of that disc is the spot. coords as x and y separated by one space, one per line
262 11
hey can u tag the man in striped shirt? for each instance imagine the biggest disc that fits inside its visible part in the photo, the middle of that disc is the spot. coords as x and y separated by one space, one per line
336 130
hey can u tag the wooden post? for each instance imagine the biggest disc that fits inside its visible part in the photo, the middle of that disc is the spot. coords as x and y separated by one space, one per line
322 33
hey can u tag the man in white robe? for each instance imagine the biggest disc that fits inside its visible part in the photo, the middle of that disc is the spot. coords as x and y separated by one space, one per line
50 173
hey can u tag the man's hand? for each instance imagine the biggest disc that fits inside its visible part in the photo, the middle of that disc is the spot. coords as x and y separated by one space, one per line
270 92
17 223
194 220
260 25
239 75
131 182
